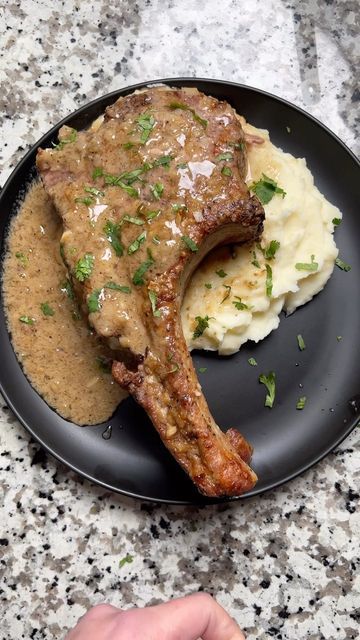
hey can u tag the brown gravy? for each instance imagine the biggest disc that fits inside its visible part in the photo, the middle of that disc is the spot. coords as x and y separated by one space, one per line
64 360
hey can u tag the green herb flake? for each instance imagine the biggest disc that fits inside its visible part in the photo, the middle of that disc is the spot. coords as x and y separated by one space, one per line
72 137
87 201
190 243
202 324
182 165
227 294
156 239
307 266
128 559
175 366
135 246
66 287
237 145
266 188
226 171
179 207
97 173
153 302
117 287
116 181
104 363
269 382
208 285
221 273
185 107
157 190
301 342
84 267
128 145
255 261
23 259
239 305
46 309
93 301
224 156
94 191
271 249
112 232
269 281
150 215
336 221
342 265
202 369
252 362
138 277
132 220
146 123
301 402
163 161
26 319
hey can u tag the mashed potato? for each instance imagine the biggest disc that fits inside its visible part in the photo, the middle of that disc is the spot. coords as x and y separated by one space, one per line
233 289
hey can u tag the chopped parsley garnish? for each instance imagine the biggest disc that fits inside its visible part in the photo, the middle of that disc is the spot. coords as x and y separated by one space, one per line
132 219
112 232
221 273
97 173
67 288
128 559
46 309
237 145
266 188
137 243
202 324
138 277
255 261
336 221
72 137
94 191
179 207
131 176
153 302
117 287
146 123
307 266
271 249
157 190
342 265
208 285
226 171
301 342
202 369
163 161
227 294
301 402
239 305
190 243
128 145
149 215
87 200
93 301
23 259
116 181
269 382
224 156
185 107
175 367
252 362
84 267
104 363
269 281
156 239
181 165
26 319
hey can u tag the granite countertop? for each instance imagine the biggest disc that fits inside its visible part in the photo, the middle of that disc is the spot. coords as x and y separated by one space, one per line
283 564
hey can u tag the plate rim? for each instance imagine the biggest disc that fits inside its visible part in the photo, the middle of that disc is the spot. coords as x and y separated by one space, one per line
202 501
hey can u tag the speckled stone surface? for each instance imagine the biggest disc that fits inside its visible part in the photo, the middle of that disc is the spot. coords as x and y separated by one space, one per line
283 564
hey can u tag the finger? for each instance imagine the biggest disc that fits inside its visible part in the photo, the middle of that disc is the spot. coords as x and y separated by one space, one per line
189 618
100 619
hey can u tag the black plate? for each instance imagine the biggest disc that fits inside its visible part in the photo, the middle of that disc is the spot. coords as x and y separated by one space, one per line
286 441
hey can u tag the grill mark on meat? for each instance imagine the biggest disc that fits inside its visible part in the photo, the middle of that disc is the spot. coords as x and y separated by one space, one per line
214 207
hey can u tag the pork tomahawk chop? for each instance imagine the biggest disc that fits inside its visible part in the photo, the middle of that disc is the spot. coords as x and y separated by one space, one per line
143 196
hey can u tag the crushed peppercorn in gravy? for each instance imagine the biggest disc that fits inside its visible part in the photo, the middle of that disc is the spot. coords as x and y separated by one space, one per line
64 360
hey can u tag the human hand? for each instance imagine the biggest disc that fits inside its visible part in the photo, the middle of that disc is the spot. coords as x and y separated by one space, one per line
190 618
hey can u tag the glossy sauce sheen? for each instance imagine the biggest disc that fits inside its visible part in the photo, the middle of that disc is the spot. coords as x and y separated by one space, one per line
61 357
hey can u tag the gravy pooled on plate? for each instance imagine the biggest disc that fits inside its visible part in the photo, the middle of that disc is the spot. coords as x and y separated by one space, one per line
63 359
